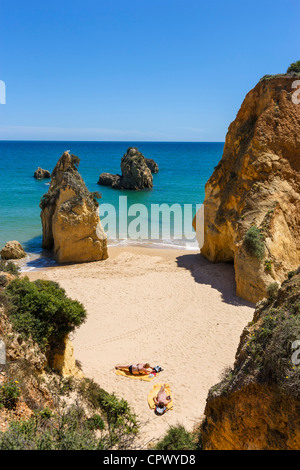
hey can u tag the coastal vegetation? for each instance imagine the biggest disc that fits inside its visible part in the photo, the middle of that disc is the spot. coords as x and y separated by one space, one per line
41 310
178 438
294 67
9 267
58 413
254 243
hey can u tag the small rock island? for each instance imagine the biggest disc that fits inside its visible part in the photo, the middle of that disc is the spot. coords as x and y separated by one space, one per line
136 172
41 174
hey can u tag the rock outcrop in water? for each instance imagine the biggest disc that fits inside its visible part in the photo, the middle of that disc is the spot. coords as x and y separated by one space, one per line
152 165
107 179
135 173
252 200
40 174
257 404
70 218
12 250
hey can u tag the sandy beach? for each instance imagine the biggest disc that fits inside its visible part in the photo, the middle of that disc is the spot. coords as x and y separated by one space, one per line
170 307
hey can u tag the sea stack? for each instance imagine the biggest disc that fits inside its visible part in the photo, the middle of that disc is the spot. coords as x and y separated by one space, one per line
70 216
41 174
252 199
135 173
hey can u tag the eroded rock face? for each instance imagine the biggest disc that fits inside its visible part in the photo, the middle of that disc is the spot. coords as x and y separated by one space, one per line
107 179
257 184
63 360
135 173
40 174
152 165
12 250
256 405
70 216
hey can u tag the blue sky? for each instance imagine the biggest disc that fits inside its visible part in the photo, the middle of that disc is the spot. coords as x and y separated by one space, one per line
142 70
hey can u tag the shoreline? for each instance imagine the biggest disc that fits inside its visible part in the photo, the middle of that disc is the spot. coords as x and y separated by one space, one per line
169 307
43 259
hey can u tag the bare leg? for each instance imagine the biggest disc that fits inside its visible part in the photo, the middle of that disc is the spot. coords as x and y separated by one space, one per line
122 367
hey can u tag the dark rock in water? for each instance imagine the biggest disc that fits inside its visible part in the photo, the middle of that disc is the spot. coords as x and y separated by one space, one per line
152 165
135 173
40 174
106 179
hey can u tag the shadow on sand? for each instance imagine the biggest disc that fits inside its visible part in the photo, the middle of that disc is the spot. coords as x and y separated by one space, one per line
219 276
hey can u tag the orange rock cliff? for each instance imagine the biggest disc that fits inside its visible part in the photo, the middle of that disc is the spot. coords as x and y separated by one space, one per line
252 201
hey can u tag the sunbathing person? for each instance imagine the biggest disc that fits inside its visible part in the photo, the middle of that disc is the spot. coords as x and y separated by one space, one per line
137 369
161 400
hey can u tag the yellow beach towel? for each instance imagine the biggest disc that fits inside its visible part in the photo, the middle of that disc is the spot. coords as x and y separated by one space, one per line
153 393
126 373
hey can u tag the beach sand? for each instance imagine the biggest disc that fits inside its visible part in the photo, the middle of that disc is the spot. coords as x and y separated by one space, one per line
169 307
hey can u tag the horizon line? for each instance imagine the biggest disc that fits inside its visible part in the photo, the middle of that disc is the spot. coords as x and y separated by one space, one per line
122 141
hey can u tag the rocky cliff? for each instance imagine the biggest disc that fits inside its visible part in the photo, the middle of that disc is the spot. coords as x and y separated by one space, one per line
257 404
252 201
70 218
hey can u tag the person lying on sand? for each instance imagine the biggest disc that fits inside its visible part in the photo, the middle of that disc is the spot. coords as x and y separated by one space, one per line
137 369
161 400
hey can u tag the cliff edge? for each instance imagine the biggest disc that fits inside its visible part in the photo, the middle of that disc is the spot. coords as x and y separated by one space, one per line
252 201
257 404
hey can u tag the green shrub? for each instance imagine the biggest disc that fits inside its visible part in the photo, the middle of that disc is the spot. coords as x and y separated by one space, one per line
268 265
294 67
47 431
272 290
254 242
42 310
121 422
95 422
9 394
9 267
177 438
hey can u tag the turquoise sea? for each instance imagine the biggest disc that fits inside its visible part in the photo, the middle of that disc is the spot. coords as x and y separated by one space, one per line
184 169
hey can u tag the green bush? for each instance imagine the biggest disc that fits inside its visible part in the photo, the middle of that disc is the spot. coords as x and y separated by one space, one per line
41 310
254 242
121 422
9 394
95 422
268 265
272 290
9 267
47 431
294 67
177 438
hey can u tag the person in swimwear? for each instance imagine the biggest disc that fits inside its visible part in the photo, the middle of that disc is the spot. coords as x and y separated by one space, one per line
161 400
137 369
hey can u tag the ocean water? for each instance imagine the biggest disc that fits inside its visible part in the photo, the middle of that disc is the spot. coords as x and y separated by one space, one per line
184 169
